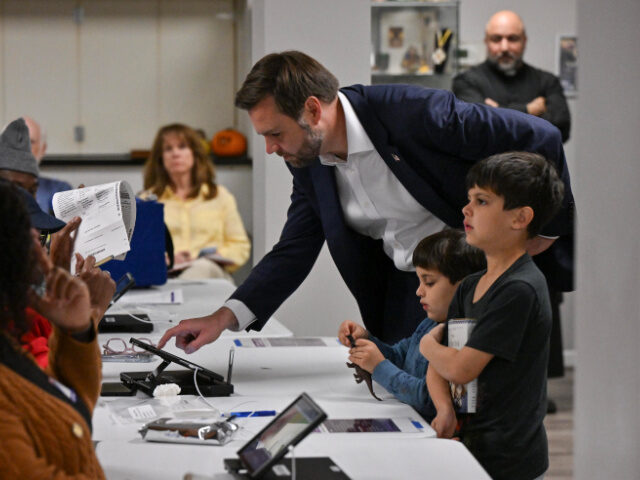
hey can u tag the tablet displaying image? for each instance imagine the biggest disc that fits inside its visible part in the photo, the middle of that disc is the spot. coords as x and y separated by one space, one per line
169 357
271 443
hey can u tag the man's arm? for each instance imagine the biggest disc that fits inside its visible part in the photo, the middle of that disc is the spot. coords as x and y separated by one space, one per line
285 267
557 112
276 277
467 90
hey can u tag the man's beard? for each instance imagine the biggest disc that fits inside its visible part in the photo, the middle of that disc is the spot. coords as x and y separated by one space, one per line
309 150
508 68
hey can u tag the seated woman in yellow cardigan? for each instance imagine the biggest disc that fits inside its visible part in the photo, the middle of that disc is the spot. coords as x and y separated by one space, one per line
202 216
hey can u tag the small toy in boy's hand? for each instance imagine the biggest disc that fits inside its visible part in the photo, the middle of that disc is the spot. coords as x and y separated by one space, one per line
361 374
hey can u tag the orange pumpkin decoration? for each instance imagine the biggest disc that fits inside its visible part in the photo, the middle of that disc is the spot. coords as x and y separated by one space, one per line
229 143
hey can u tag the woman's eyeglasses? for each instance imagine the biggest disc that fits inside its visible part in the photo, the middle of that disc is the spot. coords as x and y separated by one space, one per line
44 239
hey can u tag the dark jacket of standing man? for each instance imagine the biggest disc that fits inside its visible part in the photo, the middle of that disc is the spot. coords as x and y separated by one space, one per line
375 169
504 80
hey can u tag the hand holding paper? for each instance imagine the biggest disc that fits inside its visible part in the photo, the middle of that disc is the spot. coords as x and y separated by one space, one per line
108 215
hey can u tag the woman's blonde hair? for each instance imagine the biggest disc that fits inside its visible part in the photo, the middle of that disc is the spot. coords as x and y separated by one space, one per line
156 177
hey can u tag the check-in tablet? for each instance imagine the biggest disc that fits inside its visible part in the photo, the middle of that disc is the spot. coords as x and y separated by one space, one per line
265 449
209 383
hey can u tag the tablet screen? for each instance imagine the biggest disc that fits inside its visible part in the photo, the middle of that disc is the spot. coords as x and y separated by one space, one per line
288 428
180 361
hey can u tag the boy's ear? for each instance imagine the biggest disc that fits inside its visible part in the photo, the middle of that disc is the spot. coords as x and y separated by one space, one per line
522 218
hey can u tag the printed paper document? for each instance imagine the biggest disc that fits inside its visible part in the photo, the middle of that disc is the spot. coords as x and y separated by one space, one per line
108 215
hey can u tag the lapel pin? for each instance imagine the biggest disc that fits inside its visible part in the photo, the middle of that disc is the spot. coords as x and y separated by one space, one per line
395 157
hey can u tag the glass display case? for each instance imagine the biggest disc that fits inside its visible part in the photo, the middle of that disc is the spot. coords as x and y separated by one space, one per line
414 42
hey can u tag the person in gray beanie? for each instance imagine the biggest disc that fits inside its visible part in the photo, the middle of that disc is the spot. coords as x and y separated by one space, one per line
17 163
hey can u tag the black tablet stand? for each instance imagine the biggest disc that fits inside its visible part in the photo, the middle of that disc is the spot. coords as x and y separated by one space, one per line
209 383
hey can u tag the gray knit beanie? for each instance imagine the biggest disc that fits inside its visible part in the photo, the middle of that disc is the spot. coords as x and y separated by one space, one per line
15 149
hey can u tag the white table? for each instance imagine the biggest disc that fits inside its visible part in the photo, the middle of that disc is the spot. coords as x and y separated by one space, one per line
269 379
382 458
201 297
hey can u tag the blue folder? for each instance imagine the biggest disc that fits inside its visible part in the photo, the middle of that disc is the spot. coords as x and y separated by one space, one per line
146 259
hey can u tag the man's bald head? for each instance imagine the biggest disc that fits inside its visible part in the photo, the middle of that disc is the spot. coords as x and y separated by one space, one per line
505 38
37 137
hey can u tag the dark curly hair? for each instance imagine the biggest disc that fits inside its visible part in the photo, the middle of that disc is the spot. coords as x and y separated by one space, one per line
16 259
449 253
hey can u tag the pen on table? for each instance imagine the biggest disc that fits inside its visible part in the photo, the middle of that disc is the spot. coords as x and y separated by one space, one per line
231 354
255 413
172 297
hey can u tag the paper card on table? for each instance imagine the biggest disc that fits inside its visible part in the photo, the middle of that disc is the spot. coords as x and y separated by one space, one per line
153 297
373 425
142 412
263 342
108 215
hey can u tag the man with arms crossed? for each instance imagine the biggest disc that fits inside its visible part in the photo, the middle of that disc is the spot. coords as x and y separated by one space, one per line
504 80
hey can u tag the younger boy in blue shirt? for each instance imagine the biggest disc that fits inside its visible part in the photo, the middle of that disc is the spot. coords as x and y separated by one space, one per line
511 196
441 260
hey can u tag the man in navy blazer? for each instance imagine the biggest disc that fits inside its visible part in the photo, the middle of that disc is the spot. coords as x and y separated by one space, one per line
375 169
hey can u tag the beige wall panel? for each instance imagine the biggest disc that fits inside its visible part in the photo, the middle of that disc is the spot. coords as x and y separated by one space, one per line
197 63
119 75
39 65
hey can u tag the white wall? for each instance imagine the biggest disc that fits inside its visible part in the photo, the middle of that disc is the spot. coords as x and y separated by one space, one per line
336 32
607 417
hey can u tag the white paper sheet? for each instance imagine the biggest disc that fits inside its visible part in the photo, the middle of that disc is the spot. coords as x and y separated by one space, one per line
153 297
108 215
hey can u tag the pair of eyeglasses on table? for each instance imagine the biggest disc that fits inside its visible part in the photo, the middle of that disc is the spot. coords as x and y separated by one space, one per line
119 350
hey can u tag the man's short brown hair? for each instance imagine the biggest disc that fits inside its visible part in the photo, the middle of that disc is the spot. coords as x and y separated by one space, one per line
290 77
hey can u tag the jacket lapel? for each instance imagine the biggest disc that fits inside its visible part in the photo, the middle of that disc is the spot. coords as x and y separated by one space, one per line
419 188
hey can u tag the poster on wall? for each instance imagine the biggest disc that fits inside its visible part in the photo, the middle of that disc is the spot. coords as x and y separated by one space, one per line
568 64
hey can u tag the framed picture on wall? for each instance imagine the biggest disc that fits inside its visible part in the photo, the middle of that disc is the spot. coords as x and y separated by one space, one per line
568 64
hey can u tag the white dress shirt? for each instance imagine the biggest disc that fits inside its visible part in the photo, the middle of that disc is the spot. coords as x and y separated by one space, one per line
374 203
373 200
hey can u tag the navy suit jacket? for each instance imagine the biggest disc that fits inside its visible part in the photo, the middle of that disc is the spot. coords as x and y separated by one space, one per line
429 140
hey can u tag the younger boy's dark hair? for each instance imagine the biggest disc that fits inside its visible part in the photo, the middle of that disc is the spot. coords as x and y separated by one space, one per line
523 179
449 253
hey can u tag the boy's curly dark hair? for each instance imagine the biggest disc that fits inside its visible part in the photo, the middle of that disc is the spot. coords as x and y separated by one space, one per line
523 179
16 259
449 253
